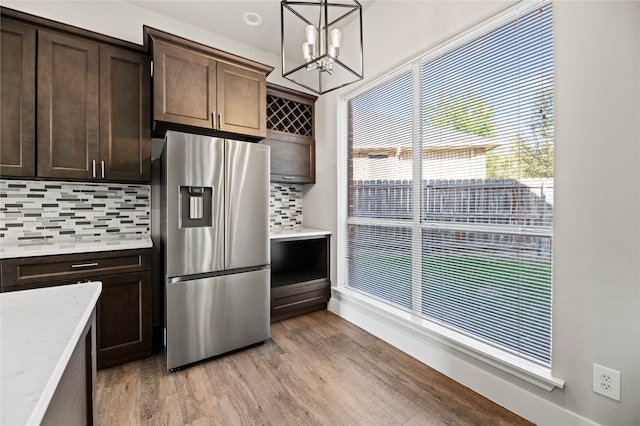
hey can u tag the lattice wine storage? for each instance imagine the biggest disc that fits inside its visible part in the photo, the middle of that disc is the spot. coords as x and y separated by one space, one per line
289 116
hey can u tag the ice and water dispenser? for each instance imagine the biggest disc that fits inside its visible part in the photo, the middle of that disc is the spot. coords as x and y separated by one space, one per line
195 206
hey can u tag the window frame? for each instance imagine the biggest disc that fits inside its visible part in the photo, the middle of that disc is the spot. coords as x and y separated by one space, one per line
414 325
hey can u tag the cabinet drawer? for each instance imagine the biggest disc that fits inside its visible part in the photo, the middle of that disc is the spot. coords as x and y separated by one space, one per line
291 300
27 272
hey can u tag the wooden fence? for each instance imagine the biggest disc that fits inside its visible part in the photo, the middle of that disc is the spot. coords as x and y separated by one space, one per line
482 201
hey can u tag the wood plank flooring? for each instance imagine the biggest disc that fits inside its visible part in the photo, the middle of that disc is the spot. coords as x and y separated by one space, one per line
316 369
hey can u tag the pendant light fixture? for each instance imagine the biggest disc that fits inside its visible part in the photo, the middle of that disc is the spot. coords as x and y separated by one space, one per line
321 43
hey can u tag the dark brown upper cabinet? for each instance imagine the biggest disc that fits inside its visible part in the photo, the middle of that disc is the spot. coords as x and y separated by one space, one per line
75 104
241 95
93 110
68 106
17 99
184 86
290 134
205 89
125 114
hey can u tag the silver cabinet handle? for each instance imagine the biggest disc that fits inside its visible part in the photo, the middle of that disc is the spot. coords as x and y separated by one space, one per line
85 265
102 168
288 178
93 168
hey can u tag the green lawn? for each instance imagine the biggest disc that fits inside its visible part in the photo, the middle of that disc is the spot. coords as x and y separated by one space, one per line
503 300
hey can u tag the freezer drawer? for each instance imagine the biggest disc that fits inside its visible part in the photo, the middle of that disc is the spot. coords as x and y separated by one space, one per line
211 316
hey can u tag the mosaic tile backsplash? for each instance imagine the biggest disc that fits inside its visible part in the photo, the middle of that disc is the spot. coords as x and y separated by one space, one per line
39 211
285 207
32 212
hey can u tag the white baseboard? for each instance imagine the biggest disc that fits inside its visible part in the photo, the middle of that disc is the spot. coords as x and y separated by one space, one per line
508 394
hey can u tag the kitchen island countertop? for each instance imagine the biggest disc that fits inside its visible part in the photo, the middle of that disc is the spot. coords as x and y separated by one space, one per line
298 233
40 329
10 250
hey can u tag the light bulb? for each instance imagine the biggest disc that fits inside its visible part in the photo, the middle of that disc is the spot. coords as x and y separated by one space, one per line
334 51
312 34
336 37
308 51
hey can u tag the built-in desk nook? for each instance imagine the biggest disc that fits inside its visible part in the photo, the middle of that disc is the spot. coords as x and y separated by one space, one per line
300 281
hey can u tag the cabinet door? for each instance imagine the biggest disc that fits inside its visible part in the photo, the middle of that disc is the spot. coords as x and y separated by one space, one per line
241 102
68 112
17 100
184 86
292 159
125 133
123 318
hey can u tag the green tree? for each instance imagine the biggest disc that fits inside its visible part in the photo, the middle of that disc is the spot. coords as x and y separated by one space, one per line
504 162
529 155
537 149
467 113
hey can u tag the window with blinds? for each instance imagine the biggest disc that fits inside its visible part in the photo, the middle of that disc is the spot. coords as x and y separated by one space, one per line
450 186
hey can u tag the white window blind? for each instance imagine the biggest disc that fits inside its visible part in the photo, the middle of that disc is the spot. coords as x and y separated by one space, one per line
451 185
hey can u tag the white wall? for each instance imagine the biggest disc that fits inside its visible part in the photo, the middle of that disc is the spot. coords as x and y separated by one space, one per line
597 257
596 307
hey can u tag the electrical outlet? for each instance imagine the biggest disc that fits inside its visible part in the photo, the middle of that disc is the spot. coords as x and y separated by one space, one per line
606 382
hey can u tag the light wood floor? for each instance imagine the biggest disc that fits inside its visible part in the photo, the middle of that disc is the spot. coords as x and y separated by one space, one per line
316 369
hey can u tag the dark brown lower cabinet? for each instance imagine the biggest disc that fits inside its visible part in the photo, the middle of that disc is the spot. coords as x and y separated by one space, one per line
124 318
299 276
300 298
123 313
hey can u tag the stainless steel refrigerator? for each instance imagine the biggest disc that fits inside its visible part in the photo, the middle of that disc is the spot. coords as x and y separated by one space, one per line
215 243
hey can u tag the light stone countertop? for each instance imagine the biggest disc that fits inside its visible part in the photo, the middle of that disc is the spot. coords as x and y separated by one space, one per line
9 250
39 330
299 233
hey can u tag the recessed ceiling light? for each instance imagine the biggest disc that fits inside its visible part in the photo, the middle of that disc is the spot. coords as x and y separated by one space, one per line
252 19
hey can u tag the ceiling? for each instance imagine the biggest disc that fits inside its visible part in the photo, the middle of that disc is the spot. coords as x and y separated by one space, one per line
225 17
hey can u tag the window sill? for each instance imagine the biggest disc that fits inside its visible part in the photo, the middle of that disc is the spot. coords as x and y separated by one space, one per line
425 330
